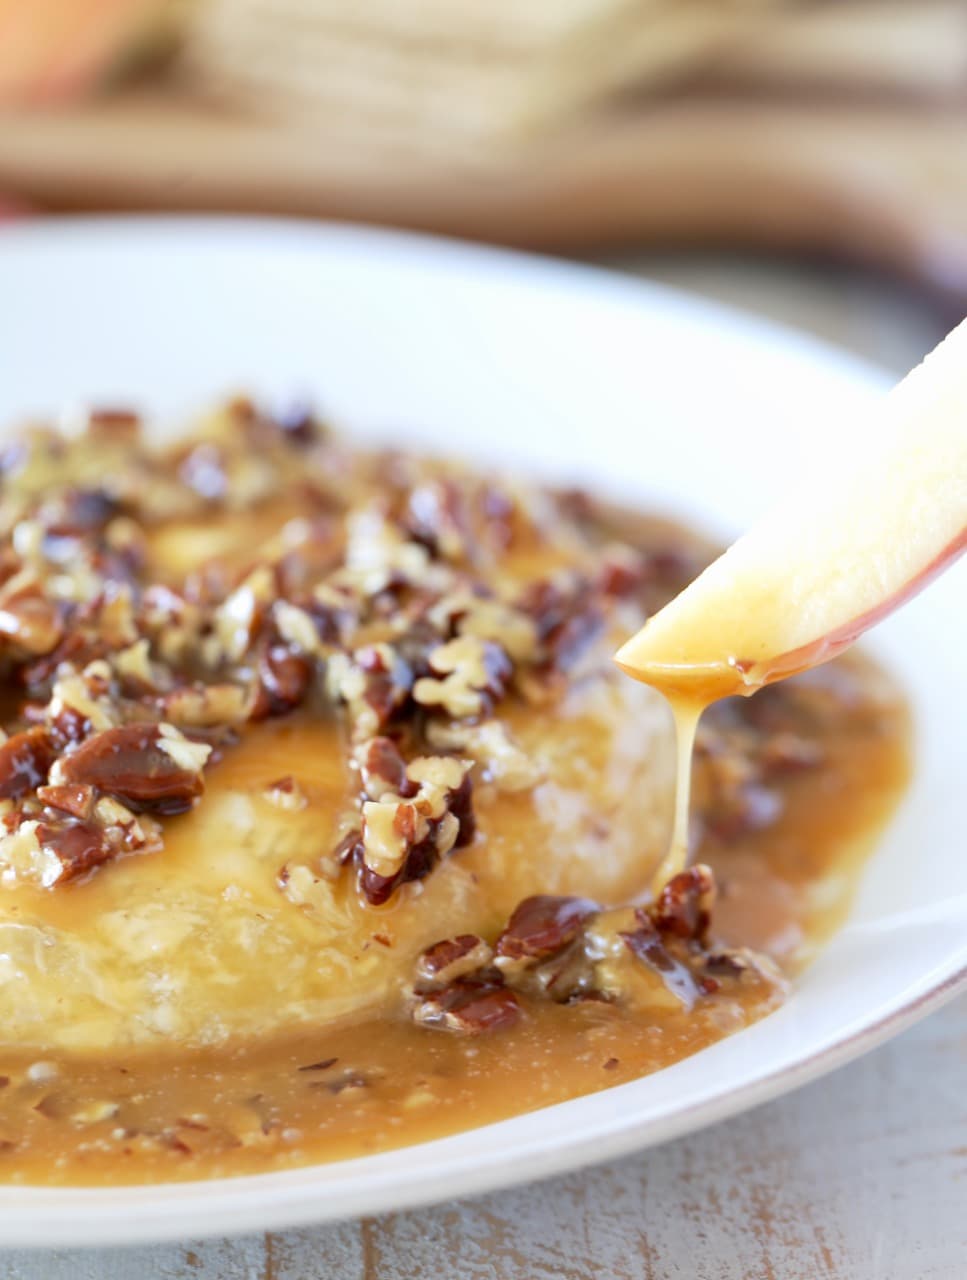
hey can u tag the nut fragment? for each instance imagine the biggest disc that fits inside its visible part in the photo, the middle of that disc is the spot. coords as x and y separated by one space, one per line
285 793
32 623
503 762
684 906
25 759
383 770
77 846
469 1008
540 927
206 706
403 837
469 675
76 798
452 958
138 764
284 679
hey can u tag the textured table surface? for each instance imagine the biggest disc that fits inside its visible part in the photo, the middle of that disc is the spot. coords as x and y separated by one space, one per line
860 1176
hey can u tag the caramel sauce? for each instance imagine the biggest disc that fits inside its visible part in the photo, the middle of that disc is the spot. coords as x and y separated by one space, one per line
369 1084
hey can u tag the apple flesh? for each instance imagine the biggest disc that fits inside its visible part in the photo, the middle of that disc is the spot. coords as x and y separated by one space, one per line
836 557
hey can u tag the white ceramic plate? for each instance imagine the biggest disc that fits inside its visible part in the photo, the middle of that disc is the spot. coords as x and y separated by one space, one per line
575 372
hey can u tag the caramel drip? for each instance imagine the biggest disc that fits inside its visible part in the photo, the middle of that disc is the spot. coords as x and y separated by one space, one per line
687 713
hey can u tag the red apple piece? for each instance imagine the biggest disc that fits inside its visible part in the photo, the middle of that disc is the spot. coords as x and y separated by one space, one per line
833 559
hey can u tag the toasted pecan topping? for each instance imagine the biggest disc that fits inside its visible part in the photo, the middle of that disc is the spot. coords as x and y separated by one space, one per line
75 798
468 1007
684 906
25 760
542 926
452 958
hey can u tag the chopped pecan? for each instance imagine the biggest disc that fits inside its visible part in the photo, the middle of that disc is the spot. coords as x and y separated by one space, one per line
31 623
622 570
348 849
404 838
468 1007
77 846
452 958
382 770
114 424
470 674
285 677
374 682
742 810
491 746
646 943
302 629
543 948
76 798
511 628
541 926
297 423
25 760
203 470
285 793
76 512
567 619
783 753
684 906
460 805
238 619
436 516
207 706
146 768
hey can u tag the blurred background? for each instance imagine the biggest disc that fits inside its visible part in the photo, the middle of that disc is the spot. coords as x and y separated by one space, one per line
805 157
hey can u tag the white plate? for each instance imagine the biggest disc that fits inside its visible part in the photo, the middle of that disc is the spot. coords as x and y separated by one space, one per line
571 371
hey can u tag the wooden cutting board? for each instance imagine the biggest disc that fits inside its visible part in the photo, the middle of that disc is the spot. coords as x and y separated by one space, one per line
885 185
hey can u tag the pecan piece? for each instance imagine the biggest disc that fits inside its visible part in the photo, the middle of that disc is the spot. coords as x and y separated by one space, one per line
684 906
298 423
468 1007
206 706
452 958
436 516
647 945
122 425
25 759
285 793
284 680
140 764
543 948
77 798
78 846
349 849
567 621
33 624
403 839
470 674
383 770
543 925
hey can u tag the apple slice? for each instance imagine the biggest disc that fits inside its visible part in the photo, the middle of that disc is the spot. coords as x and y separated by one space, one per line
836 557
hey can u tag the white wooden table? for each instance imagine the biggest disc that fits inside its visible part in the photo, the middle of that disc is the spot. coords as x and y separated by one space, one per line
861 1176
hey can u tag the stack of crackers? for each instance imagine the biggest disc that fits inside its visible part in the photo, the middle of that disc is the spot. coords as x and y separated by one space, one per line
445 75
